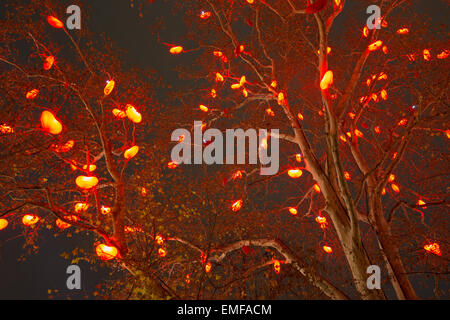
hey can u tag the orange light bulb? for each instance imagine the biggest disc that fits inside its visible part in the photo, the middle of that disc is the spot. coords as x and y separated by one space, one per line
85 182
131 152
106 252
49 123
55 22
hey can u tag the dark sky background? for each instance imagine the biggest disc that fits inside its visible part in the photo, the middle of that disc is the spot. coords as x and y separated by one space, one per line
121 23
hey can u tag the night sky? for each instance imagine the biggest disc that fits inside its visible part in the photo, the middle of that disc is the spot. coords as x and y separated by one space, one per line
121 23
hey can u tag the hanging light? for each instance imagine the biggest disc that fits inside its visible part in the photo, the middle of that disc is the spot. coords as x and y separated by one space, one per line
205 14
316 188
105 210
327 80
30 219
92 167
433 248
131 152
81 206
119 113
133 114
321 220
365 32
172 165
280 98
64 225
176 49
395 187
277 266
109 87
237 205
32 94
49 123
48 63
358 133
444 54
426 55
270 112
5 129
85 182
237 175
403 31
293 211
219 77
203 108
55 22
327 249
159 240
106 252
295 173
162 252
65 147
375 45
3 223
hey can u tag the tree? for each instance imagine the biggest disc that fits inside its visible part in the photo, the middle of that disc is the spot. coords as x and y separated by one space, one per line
362 125
352 139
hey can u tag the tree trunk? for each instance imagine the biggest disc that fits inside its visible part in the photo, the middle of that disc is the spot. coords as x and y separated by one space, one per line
390 248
